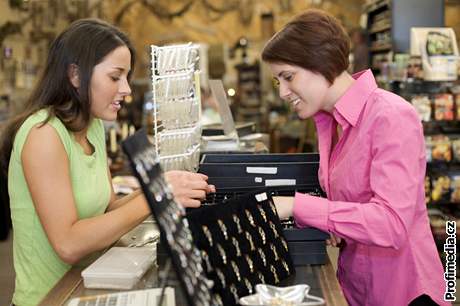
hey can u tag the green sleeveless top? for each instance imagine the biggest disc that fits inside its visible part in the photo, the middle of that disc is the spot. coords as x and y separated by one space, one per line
37 266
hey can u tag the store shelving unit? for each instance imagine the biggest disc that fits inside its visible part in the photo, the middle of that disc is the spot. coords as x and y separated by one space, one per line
443 207
249 98
389 23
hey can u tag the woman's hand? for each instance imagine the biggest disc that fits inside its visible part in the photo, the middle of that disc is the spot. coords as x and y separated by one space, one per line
334 240
189 188
284 206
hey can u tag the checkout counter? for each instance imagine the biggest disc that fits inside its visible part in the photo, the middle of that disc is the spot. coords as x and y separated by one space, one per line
321 278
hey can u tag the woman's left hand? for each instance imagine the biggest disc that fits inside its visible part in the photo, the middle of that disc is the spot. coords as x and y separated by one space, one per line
189 188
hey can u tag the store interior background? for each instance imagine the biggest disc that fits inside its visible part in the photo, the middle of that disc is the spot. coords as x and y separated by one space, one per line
232 31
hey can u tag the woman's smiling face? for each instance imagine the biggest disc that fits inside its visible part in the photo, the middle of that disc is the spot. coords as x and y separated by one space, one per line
109 84
304 89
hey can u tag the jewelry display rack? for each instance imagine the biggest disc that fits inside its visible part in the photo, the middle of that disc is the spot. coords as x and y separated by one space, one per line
242 245
177 106
169 215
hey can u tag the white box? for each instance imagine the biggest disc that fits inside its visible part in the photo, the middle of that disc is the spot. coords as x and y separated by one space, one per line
118 268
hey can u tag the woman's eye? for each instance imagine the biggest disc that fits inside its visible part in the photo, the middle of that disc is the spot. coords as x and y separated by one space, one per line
288 77
115 78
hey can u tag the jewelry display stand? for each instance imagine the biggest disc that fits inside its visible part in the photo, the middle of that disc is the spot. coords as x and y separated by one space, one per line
176 106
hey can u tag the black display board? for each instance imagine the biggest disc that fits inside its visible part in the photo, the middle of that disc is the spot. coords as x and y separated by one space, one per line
169 215
242 245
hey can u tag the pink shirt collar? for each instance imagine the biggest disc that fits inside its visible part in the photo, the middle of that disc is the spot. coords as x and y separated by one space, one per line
348 108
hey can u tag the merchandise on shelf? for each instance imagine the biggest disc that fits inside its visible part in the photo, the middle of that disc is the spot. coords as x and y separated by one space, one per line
422 104
444 107
415 67
440 188
440 148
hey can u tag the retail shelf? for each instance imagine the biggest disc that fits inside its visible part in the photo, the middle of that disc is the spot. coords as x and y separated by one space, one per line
380 48
375 5
380 29
441 204
443 163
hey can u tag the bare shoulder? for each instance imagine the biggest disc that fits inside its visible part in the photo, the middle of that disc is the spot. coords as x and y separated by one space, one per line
43 144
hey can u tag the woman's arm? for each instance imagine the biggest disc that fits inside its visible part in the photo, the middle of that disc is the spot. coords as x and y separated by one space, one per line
188 189
46 169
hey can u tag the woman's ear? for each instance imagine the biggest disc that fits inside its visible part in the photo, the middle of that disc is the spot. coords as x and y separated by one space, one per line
74 75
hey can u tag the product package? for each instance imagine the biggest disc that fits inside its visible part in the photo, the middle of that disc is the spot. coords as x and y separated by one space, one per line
444 107
441 148
422 104
118 268
440 188
415 67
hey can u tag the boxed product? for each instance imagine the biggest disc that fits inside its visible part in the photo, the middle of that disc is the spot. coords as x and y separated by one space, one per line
444 107
441 148
118 268
440 188
422 104
415 67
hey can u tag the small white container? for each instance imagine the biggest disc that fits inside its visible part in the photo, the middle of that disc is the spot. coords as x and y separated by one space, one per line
118 268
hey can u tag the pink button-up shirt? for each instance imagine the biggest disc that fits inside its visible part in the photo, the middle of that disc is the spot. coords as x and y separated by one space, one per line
374 181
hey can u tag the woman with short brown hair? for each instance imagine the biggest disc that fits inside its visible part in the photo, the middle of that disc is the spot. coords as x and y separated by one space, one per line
372 167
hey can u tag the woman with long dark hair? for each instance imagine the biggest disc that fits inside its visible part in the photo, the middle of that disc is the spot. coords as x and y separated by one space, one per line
62 202
372 167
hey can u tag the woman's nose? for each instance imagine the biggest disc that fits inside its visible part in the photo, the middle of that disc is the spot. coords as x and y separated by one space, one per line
284 91
125 88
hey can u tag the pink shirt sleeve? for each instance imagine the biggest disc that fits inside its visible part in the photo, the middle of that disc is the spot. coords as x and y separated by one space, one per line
397 169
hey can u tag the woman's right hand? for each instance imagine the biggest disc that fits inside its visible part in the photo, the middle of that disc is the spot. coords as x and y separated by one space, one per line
284 206
189 188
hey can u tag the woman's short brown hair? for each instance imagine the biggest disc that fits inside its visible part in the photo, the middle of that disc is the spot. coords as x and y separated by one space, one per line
313 40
